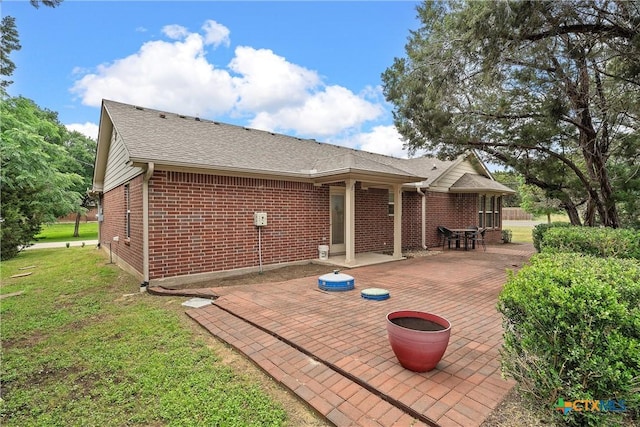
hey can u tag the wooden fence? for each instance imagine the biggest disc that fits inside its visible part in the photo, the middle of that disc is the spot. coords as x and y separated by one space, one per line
515 214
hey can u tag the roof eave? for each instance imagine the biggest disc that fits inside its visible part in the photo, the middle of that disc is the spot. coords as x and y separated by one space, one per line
105 128
480 190
317 177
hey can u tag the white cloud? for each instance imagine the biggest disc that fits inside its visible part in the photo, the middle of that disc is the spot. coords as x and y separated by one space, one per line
216 34
324 113
174 76
89 129
268 82
175 32
382 140
271 92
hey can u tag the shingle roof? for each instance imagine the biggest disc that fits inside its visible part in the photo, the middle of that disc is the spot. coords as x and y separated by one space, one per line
152 135
177 140
469 183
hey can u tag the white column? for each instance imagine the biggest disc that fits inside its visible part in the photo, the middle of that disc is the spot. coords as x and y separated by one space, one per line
397 221
350 221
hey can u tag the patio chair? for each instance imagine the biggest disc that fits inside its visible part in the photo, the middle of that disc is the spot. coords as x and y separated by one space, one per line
448 236
478 236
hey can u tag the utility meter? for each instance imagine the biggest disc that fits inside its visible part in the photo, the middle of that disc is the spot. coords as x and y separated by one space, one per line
260 219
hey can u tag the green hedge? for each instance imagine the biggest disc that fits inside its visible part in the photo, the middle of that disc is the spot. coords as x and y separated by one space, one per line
572 331
539 231
600 242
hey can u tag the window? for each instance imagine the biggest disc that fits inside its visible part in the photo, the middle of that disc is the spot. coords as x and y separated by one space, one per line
489 211
127 207
391 203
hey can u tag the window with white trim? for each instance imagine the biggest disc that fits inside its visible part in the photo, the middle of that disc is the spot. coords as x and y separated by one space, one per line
489 211
392 204
127 211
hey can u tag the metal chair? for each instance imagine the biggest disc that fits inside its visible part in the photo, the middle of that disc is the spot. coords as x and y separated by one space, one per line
448 236
478 236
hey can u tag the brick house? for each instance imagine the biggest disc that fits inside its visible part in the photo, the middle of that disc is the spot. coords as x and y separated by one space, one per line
177 197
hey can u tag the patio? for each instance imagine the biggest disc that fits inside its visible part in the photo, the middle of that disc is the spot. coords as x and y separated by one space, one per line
331 348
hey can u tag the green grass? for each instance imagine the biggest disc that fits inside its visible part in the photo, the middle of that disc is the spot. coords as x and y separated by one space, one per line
559 217
63 232
82 346
520 234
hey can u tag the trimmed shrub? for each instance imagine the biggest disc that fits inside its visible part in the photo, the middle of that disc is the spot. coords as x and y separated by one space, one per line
572 331
600 242
539 231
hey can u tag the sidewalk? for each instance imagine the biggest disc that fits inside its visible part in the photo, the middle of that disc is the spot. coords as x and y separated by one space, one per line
50 245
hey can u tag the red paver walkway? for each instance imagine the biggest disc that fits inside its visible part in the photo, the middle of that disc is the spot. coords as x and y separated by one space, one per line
331 348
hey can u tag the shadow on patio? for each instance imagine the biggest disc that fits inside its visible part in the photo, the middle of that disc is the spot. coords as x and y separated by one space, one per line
331 349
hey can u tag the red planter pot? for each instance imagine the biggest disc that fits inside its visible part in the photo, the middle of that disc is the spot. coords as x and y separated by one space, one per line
418 350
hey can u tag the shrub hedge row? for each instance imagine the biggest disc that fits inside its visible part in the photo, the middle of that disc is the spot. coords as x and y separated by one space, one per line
572 331
540 230
600 242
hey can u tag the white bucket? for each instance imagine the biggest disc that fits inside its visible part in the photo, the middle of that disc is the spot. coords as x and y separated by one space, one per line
323 252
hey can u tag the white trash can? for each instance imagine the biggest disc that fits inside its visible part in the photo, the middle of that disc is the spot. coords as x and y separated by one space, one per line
323 252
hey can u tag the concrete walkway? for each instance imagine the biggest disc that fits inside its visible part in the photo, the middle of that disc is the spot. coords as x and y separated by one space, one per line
331 348
49 245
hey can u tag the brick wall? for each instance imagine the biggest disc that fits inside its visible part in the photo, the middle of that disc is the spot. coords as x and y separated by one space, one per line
453 211
202 223
374 226
411 220
113 204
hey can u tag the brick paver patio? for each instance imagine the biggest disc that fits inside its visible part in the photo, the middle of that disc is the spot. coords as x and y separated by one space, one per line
331 348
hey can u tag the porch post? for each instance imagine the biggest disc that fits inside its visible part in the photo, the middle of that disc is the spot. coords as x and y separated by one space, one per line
350 221
397 221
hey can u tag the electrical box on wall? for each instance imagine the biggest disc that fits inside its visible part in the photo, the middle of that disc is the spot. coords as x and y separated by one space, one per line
260 219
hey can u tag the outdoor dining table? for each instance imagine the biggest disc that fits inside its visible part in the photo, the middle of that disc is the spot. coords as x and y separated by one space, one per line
466 232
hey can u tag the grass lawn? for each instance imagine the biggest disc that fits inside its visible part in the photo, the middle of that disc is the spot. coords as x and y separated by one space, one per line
82 346
63 232
520 234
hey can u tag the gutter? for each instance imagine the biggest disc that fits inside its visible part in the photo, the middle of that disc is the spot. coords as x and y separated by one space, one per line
148 173
424 215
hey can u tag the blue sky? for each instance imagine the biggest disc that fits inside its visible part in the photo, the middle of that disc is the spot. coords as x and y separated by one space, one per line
307 69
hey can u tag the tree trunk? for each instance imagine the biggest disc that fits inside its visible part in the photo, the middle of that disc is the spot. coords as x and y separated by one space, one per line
548 218
572 211
76 230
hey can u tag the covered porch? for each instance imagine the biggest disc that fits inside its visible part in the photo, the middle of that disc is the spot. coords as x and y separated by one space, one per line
345 229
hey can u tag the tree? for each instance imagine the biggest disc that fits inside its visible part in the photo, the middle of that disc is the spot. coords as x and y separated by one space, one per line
81 150
9 41
535 201
511 180
35 186
548 89
50 3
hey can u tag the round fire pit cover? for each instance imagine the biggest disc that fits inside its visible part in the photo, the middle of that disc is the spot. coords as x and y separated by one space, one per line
376 294
336 281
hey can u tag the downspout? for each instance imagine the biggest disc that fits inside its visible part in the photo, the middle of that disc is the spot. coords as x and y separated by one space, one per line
148 173
424 216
